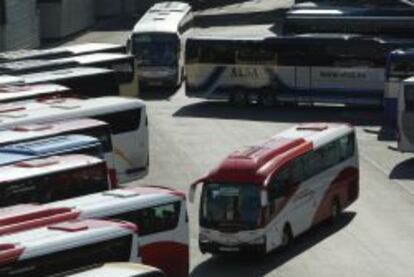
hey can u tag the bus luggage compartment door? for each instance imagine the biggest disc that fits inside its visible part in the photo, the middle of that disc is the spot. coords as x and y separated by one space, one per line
303 92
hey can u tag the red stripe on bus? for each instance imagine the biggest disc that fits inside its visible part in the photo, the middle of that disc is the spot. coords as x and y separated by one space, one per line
345 184
171 257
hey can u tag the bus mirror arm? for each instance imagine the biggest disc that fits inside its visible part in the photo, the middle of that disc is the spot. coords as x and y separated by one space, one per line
193 188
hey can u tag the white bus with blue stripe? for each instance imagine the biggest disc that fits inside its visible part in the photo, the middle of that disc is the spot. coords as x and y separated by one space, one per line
309 68
70 144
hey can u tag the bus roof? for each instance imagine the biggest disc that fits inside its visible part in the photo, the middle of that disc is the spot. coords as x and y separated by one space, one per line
96 58
66 108
120 200
59 74
255 163
33 131
60 237
163 17
10 80
29 66
39 167
50 145
61 52
118 270
10 93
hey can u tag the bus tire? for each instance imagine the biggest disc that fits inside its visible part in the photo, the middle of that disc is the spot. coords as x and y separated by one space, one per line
239 98
336 209
287 237
267 99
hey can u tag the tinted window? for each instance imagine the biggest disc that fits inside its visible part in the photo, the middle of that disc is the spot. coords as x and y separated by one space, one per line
155 219
57 186
409 97
313 163
298 171
330 154
104 84
220 54
122 122
255 54
347 146
116 250
278 187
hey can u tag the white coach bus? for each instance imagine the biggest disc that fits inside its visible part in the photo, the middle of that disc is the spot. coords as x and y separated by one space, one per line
126 117
309 68
160 214
265 195
64 247
158 44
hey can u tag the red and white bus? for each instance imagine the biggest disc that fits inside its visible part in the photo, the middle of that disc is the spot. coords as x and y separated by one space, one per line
160 213
90 127
64 247
12 93
52 179
263 196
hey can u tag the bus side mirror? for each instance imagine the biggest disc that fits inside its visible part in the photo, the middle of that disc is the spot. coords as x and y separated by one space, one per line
193 188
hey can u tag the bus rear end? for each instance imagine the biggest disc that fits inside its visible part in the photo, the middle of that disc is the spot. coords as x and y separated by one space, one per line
51 179
62 248
405 136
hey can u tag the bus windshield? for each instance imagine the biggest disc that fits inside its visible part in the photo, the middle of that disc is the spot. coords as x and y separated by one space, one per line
231 206
155 49
409 97
402 69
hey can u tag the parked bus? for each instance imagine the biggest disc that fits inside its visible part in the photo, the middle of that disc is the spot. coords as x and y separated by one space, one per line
13 93
127 119
64 247
90 127
60 52
313 68
160 213
121 270
405 137
263 196
70 144
84 81
51 179
387 21
400 66
158 44
122 64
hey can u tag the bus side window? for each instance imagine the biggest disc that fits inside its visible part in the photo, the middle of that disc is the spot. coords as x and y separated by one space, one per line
154 219
298 171
313 162
347 146
331 155
122 122
278 189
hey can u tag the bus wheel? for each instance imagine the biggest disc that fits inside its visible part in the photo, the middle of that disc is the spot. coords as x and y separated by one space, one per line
239 98
267 99
335 209
287 237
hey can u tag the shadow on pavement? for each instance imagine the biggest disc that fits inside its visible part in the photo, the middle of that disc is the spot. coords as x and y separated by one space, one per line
358 116
233 266
403 170
149 94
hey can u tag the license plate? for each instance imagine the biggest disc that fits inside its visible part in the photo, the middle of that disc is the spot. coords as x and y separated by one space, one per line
229 249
